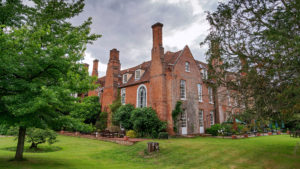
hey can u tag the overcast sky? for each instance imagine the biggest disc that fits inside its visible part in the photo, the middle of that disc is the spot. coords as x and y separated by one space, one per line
126 26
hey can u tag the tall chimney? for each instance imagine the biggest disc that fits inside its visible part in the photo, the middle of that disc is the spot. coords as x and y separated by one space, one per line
95 67
157 88
114 55
157 34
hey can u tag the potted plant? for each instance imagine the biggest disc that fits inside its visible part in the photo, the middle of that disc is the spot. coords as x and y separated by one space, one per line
234 134
258 132
245 131
269 131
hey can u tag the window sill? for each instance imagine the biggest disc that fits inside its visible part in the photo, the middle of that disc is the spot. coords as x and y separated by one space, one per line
182 98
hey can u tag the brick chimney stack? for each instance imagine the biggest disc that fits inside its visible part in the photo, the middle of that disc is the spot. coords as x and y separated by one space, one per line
95 67
157 92
157 34
110 92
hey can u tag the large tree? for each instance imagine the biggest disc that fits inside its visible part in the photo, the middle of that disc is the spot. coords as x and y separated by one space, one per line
254 48
40 68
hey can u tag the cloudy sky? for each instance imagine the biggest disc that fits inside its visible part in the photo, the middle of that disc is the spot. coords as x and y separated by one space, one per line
126 26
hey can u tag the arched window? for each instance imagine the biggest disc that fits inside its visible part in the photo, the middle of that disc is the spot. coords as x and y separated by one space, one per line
141 96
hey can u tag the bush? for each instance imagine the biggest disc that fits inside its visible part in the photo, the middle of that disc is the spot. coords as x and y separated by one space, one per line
146 123
214 129
227 128
122 116
163 135
37 136
101 124
131 134
3 129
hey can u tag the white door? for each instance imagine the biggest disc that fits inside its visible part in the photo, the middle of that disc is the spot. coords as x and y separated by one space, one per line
201 122
183 124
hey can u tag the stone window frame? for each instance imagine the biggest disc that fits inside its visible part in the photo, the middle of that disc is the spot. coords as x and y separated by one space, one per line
135 74
123 96
187 66
138 94
200 92
182 89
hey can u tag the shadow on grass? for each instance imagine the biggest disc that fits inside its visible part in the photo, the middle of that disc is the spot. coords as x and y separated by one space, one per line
44 149
33 162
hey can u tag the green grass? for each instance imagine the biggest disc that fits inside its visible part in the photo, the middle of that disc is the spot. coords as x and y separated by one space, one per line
261 152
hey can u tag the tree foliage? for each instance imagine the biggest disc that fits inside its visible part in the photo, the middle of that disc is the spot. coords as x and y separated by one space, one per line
122 116
88 110
146 123
254 49
37 136
39 64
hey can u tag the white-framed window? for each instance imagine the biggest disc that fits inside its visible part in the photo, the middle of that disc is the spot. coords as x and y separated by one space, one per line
123 96
141 96
201 122
138 74
187 66
228 98
211 117
182 90
204 73
125 78
183 119
199 86
210 95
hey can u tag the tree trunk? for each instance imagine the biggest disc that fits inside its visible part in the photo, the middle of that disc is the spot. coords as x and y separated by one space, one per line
20 147
33 145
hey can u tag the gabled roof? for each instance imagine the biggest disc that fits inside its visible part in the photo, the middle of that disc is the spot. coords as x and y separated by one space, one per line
171 58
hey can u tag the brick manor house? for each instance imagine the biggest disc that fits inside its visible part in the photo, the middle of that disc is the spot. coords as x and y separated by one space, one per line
159 83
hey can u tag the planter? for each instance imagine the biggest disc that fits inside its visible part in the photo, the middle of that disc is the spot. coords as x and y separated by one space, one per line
125 138
245 135
234 137
269 133
278 132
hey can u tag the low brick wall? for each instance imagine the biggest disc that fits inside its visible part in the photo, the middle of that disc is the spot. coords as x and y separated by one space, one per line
121 141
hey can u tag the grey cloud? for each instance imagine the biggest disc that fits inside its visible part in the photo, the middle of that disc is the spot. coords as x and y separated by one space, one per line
126 25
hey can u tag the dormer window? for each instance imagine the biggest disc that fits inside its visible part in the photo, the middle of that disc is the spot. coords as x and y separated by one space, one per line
138 74
125 78
187 66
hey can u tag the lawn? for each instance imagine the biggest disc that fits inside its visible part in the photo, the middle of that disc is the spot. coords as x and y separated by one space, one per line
261 152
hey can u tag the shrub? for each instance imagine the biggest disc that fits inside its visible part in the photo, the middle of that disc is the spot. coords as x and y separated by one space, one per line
114 128
214 129
122 116
37 136
3 129
101 124
131 134
146 123
227 128
163 135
